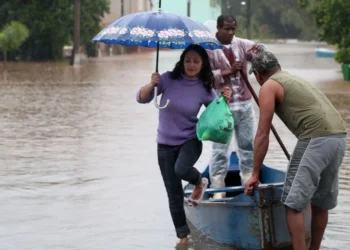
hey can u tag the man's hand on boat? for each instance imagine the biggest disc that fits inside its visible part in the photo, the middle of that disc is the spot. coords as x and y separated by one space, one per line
252 183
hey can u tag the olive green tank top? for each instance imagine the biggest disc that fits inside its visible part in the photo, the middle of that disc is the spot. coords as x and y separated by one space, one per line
305 110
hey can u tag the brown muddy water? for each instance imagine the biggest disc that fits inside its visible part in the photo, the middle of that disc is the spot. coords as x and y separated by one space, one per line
78 167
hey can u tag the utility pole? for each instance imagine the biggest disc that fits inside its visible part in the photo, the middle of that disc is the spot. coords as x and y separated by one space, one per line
75 58
121 49
122 7
150 4
188 8
249 15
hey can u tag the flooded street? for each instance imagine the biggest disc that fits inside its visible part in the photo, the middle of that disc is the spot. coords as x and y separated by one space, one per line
78 165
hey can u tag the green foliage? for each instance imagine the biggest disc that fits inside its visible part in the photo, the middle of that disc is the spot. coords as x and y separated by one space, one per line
333 22
343 55
92 13
51 24
12 36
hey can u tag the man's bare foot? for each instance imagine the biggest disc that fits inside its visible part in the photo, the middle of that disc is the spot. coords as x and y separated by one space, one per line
198 190
218 196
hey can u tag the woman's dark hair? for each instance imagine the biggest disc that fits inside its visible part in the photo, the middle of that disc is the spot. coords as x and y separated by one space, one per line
205 75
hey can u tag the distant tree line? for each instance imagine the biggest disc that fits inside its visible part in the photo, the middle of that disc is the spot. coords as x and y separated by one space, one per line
50 25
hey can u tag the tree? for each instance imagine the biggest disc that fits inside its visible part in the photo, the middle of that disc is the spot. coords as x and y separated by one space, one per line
51 25
12 37
332 20
92 13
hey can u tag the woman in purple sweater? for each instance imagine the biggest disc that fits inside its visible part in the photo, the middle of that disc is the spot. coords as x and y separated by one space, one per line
188 87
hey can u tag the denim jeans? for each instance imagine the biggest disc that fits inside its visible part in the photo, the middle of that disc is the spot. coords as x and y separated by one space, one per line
176 164
245 128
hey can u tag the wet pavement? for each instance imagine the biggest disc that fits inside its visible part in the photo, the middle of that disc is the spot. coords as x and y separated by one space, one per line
78 165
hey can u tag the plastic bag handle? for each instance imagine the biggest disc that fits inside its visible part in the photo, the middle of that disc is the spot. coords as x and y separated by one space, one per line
219 98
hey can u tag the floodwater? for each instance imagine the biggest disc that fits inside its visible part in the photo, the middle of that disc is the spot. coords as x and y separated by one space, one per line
78 166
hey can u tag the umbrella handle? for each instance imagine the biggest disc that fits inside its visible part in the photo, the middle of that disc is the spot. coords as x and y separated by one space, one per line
155 87
155 100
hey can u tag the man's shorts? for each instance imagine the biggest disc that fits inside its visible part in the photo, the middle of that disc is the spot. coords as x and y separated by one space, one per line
313 173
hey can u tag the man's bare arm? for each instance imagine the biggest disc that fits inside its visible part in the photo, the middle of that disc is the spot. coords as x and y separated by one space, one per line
267 98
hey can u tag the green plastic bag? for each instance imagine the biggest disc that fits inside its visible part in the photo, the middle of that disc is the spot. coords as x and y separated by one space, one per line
216 122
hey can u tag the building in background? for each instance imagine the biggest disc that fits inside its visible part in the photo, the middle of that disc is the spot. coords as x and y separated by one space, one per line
199 10
120 8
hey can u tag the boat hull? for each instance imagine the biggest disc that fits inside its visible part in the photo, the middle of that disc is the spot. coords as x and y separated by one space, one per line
244 222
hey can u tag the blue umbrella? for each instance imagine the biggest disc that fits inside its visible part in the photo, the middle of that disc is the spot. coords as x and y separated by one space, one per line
148 29
157 29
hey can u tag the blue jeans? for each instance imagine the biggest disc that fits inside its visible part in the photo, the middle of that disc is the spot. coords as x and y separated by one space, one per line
176 164
244 131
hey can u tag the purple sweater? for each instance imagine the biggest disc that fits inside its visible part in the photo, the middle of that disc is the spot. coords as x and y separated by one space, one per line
177 122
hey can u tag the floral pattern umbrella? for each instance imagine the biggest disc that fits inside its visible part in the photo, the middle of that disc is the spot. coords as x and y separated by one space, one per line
148 29
157 29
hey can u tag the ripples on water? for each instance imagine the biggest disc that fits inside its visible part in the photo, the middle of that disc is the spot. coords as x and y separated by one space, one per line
78 161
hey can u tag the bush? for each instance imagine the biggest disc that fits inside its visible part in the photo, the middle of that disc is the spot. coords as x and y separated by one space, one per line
12 37
343 55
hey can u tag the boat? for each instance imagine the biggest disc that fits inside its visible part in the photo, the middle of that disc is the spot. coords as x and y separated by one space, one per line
241 221
323 52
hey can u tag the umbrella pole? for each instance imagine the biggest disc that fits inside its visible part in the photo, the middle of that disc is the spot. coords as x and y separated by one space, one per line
272 127
157 60
160 6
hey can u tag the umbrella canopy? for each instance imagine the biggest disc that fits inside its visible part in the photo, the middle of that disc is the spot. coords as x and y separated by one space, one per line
153 28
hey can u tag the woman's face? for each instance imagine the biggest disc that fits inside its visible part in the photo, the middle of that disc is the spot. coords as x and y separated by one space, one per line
192 64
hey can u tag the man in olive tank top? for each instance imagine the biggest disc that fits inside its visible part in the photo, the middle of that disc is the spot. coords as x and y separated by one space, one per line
313 170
